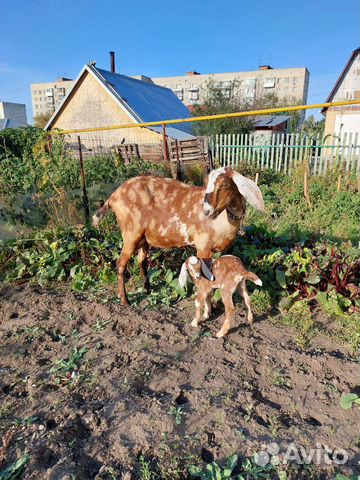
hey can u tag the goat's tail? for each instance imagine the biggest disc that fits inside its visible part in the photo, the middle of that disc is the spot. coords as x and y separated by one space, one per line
253 278
100 214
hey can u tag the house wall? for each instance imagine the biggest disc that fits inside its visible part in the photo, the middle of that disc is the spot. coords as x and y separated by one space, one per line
340 122
90 106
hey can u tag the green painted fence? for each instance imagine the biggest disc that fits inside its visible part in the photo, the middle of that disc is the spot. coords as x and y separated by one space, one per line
284 152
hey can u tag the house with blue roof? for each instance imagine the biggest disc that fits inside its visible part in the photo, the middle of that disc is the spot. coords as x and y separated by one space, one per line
100 98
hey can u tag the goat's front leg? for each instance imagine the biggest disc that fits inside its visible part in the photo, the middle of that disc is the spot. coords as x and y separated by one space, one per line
207 307
229 313
199 302
244 293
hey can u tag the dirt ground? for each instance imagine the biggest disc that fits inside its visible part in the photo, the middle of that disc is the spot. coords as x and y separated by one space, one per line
152 391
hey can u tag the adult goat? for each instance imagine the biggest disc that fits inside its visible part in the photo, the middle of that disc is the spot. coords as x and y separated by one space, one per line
165 213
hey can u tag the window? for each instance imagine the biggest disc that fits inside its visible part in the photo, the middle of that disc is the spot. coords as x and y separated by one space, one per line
286 79
250 82
194 95
286 90
269 83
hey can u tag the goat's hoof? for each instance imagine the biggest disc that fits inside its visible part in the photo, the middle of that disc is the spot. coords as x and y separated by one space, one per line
221 334
194 323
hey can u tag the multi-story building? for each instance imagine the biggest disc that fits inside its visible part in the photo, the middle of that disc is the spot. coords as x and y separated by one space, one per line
12 115
46 97
289 83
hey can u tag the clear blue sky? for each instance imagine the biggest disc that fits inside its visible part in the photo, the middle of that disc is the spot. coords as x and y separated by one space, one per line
42 40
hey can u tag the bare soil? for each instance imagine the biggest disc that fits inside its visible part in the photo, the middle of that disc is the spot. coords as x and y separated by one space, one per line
231 395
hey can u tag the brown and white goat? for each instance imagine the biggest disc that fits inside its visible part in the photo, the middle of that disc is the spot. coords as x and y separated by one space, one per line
165 213
229 274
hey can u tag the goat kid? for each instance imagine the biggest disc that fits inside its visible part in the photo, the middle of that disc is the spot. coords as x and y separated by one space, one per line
165 213
229 274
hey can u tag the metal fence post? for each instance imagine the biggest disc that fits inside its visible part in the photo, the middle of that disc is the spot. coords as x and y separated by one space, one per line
83 182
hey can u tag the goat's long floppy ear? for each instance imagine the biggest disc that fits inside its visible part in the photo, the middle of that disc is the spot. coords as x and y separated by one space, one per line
183 275
206 271
248 189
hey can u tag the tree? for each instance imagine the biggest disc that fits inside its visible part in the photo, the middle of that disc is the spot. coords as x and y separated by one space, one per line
222 100
313 127
229 100
41 120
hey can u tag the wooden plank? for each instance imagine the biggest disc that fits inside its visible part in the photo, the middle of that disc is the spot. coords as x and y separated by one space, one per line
229 150
287 140
237 149
356 159
349 152
272 150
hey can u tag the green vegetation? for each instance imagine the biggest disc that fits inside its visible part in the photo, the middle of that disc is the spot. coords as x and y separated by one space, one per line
220 100
348 400
15 470
304 252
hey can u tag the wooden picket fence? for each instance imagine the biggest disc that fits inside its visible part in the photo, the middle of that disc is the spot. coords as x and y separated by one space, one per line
284 152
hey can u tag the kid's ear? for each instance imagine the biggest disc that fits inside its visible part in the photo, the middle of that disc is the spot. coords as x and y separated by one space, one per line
206 271
183 275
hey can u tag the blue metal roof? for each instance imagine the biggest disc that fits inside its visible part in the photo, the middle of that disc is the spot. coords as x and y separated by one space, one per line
271 120
149 102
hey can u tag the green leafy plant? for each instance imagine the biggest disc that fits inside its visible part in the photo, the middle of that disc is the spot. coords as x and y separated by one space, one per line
213 471
67 369
178 413
15 470
348 400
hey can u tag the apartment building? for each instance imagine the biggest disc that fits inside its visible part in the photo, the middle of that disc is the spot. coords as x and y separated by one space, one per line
289 83
12 115
46 97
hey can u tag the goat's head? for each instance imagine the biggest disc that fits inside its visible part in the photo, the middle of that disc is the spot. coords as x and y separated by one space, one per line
223 188
194 267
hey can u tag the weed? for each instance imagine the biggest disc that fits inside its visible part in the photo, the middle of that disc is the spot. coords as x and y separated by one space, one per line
279 380
100 325
348 400
178 413
15 470
300 318
145 469
213 471
67 369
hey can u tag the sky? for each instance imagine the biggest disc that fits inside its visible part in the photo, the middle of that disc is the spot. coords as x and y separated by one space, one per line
42 40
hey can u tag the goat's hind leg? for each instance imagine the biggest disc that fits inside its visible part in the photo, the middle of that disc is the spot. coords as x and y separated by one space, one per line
244 293
229 313
142 259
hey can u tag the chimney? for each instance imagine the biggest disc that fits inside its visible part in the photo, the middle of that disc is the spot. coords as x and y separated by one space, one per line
265 67
112 62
